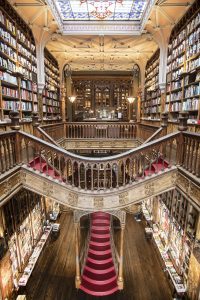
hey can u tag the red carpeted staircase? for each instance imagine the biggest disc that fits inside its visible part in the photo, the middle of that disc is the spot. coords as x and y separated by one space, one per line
99 277
156 167
40 164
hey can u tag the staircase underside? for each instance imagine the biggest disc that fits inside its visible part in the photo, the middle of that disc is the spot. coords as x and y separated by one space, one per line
103 200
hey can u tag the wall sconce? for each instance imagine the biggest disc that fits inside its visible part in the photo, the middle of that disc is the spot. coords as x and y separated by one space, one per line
72 98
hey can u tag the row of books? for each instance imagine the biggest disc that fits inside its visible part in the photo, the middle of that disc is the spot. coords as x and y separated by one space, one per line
29 96
6 36
10 92
8 64
9 25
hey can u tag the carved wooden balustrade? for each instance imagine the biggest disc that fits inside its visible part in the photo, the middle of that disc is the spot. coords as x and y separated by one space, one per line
55 131
106 173
91 130
144 132
190 153
100 130
8 151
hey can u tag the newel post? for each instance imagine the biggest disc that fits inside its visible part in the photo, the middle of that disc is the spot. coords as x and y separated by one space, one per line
35 123
120 280
78 273
14 116
183 117
164 123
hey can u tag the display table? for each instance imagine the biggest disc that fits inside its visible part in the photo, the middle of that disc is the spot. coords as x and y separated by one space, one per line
173 275
34 257
166 261
53 216
148 232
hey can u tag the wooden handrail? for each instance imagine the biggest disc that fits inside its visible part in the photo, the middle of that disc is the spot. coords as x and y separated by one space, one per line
46 136
154 135
179 148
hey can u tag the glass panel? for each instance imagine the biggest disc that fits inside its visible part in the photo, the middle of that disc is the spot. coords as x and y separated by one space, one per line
99 10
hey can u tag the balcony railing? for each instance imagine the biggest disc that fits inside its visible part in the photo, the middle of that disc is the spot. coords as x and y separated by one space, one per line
91 130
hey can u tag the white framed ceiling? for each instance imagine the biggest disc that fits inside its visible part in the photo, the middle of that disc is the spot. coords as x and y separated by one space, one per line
101 51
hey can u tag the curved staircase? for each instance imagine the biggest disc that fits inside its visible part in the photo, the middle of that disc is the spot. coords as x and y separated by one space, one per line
99 277
41 165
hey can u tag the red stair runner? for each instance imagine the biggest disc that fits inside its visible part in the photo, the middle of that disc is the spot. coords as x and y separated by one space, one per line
99 277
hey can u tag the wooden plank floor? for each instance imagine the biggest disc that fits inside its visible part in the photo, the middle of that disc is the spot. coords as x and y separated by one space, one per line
54 274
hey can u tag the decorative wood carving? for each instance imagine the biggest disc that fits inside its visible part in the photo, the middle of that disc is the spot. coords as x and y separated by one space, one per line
149 189
48 188
98 202
72 199
123 198
9 185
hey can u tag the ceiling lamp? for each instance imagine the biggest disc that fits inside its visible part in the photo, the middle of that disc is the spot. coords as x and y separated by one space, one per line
131 99
72 98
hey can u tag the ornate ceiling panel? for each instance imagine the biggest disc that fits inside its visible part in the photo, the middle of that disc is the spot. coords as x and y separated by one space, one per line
100 10
114 53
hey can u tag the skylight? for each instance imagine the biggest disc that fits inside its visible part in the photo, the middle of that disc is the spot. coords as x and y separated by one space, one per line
101 10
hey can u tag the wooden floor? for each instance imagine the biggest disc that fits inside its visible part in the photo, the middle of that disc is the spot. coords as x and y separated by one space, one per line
53 277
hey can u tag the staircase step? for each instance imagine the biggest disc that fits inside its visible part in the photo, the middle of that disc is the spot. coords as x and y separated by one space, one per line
100 236
99 257
158 167
100 243
103 231
101 214
101 222
100 282
99 288
99 293
92 265
100 227
100 262
99 252
149 172
100 218
101 276
95 271
99 248
98 240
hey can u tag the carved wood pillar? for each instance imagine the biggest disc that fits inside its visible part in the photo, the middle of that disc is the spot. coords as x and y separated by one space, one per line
78 273
120 280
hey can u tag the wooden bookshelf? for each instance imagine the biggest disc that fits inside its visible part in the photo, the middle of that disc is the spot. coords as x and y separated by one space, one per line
183 67
18 66
96 96
151 105
51 93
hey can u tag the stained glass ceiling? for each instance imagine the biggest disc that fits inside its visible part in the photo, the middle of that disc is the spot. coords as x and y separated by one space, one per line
101 10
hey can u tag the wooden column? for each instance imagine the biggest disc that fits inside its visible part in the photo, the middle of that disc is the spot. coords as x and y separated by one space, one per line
78 273
120 280
40 100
